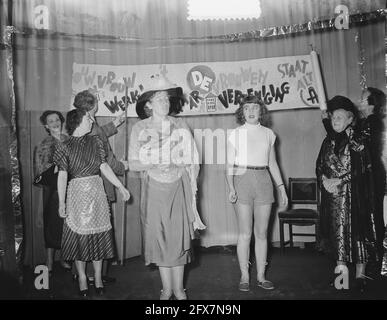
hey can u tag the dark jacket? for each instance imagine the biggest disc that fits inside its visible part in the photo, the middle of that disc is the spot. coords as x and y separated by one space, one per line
104 132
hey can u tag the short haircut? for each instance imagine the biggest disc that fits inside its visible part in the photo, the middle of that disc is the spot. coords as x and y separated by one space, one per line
74 119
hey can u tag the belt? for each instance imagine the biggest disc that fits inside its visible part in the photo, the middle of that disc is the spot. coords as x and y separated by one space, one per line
252 167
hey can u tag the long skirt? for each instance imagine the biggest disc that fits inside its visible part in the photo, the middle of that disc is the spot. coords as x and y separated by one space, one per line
52 223
165 221
87 232
343 243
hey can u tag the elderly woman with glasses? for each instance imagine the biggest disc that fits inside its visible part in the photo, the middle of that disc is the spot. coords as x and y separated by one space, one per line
163 150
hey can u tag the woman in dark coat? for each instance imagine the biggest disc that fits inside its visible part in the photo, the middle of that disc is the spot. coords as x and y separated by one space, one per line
344 172
372 107
46 176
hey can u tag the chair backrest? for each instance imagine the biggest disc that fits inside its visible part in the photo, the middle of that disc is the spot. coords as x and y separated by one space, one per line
303 191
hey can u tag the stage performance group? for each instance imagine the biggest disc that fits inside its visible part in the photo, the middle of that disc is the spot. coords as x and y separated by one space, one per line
78 171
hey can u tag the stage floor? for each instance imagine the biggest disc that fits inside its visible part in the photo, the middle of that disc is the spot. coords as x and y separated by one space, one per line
214 275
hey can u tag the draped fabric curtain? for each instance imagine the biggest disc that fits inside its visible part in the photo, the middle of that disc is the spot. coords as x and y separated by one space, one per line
138 32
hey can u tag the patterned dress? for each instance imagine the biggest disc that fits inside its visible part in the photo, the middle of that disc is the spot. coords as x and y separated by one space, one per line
347 217
87 232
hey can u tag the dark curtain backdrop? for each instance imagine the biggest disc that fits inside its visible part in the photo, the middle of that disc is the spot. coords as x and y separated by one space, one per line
153 32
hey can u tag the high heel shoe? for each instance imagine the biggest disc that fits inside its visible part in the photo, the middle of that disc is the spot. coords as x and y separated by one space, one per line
99 291
84 294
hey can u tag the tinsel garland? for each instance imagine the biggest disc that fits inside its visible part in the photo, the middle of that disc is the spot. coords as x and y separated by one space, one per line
13 147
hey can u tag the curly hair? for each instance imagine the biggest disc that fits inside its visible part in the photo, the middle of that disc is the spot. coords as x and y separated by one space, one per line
74 119
264 116
377 98
176 105
85 100
45 114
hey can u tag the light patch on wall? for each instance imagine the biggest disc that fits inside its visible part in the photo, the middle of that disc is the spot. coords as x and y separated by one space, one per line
223 9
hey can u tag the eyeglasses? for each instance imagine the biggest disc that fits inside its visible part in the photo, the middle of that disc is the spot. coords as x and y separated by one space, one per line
160 98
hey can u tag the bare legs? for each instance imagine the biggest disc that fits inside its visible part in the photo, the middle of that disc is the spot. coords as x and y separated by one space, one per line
166 280
360 270
97 265
261 222
82 278
172 280
50 258
245 215
245 221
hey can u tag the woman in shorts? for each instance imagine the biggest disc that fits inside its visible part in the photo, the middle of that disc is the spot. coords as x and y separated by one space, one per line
253 166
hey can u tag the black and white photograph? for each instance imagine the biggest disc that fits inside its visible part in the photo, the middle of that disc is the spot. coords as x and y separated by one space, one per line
215 151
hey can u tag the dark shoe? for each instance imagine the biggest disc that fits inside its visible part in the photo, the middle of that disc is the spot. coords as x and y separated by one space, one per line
84 294
360 285
99 291
107 279
66 267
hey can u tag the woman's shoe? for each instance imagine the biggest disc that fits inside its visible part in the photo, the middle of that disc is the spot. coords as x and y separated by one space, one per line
244 286
360 285
107 279
99 291
65 266
266 284
84 294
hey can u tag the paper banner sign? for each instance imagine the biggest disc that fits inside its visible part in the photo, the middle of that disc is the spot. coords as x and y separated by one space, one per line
209 87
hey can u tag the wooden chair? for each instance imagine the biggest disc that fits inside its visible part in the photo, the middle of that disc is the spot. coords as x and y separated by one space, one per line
301 191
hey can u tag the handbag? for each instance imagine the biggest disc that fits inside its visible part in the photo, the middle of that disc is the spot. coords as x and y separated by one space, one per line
46 178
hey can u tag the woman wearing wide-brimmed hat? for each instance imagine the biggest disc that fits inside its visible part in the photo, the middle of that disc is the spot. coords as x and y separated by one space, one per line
344 172
163 149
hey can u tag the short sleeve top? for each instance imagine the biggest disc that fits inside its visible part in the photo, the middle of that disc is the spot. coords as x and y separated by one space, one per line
80 156
252 144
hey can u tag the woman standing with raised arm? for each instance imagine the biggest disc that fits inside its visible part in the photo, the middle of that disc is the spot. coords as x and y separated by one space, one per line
344 172
87 232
